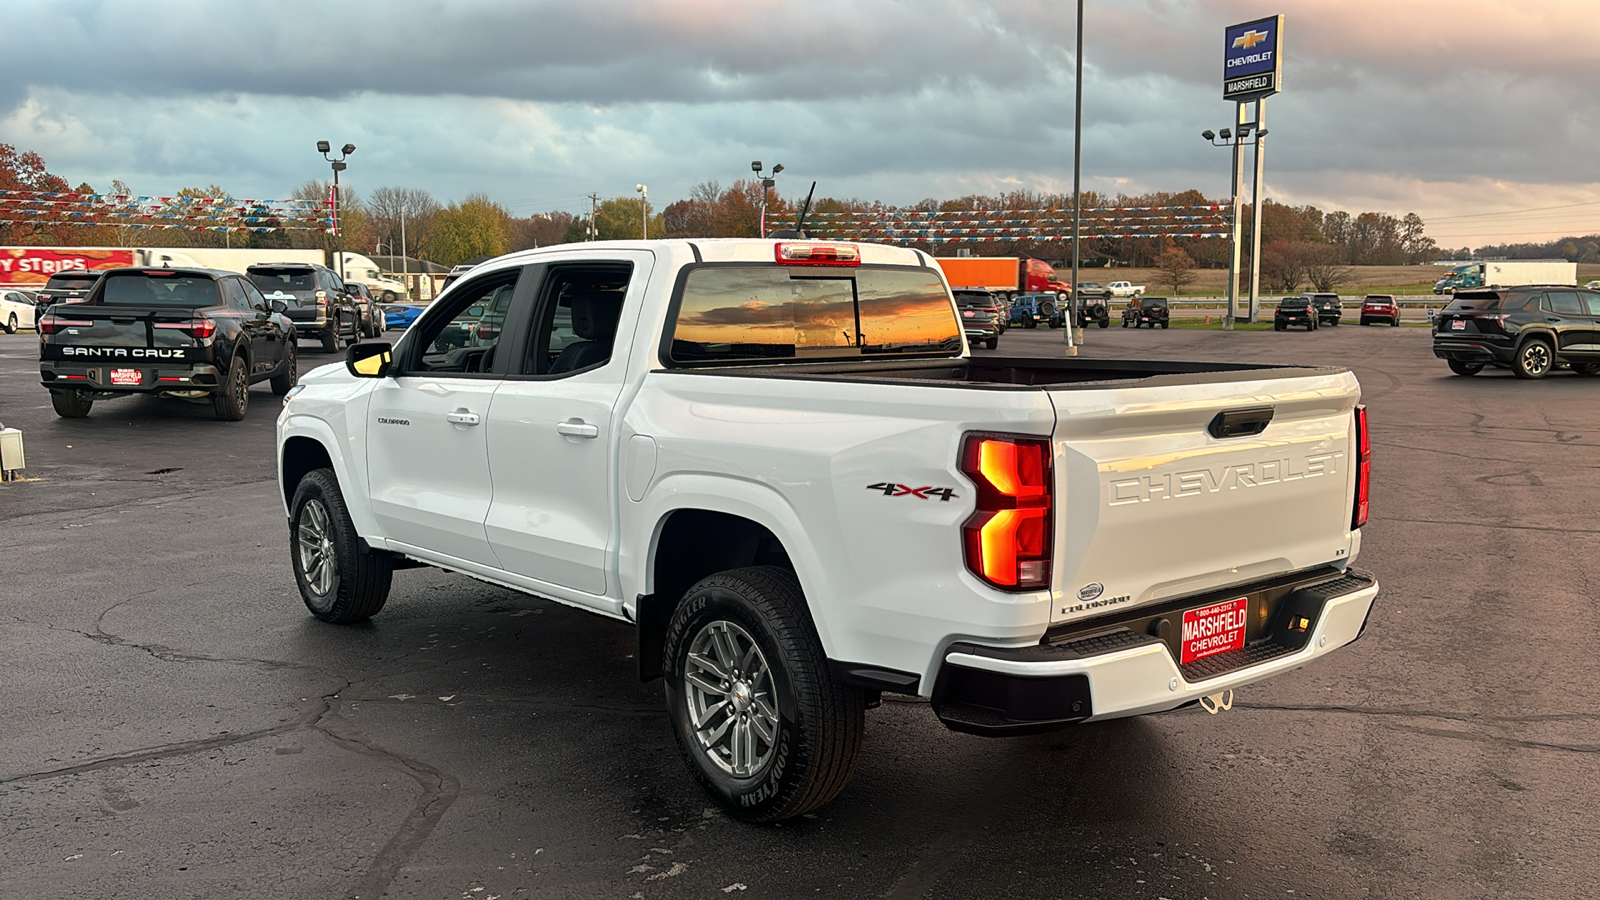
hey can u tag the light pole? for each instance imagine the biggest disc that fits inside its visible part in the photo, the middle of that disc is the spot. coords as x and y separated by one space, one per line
1073 335
767 181
644 210
1227 138
338 166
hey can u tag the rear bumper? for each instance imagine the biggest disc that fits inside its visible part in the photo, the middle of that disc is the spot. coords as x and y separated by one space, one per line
982 331
1119 671
153 378
1478 348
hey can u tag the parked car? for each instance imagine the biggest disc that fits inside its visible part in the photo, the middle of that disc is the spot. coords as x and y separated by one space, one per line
1125 290
1032 310
1096 311
1530 329
1380 308
67 286
401 315
372 321
980 317
1294 311
194 334
798 506
16 310
1150 311
319 303
1328 306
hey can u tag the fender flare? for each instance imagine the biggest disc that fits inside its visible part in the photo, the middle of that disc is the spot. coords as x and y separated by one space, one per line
354 486
760 503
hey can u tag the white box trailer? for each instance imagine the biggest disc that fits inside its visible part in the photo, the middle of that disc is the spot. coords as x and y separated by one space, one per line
1507 273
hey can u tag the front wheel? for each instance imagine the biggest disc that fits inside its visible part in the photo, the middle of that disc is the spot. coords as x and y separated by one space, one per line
71 404
11 324
289 374
1534 360
340 581
756 712
1461 367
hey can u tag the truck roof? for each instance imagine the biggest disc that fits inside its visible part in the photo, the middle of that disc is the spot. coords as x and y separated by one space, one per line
753 250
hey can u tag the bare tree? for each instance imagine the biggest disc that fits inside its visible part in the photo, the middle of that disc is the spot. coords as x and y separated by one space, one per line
1324 270
388 206
1177 269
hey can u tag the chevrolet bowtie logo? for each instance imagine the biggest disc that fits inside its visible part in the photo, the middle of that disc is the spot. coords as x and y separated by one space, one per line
1249 39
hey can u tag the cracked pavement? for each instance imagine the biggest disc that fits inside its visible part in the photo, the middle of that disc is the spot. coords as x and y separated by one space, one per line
176 725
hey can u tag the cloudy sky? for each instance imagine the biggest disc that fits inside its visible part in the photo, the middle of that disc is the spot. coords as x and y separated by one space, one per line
1481 115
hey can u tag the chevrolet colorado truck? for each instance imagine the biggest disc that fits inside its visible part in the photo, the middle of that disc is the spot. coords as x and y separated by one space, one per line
195 334
780 463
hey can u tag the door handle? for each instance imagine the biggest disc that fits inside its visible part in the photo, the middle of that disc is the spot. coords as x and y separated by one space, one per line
578 429
462 417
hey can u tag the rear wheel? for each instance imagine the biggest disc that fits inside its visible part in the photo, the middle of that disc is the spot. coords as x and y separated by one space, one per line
233 401
756 712
11 324
70 404
1105 323
330 337
1395 321
339 581
289 374
1462 367
1165 323
1534 360
992 343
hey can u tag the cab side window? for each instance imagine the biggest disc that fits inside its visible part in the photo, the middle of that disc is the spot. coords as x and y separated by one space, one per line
253 296
465 333
1566 303
235 294
575 328
1591 299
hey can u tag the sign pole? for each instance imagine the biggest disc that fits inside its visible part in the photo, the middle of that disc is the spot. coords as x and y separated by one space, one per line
1233 233
1255 213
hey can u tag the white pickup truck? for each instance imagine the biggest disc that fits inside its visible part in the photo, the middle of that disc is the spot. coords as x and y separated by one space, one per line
777 459
1123 290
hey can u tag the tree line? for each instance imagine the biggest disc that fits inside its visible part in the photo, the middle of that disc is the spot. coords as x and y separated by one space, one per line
1299 244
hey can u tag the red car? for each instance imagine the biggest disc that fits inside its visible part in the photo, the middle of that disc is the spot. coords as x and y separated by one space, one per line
1380 308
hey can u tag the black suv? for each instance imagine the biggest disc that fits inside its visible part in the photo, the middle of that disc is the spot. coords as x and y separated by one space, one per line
1150 311
194 334
319 304
1294 311
372 321
69 286
980 317
1528 329
1328 306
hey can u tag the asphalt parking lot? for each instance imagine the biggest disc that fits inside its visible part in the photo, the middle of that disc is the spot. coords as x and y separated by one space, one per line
176 724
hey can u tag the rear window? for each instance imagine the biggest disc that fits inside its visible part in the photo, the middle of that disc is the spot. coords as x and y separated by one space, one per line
270 280
1487 301
973 298
75 281
137 289
1294 303
763 312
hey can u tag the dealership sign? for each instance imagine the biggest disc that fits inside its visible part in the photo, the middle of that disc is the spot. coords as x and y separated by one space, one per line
1253 61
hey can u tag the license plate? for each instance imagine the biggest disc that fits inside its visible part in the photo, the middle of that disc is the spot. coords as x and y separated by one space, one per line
126 376
1214 629
968 313
1458 325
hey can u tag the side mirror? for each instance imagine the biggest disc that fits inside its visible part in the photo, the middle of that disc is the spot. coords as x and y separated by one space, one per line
279 306
369 360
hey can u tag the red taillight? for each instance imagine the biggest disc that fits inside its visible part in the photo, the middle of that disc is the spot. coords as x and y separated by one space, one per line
51 324
1363 468
817 254
1007 538
198 328
487 331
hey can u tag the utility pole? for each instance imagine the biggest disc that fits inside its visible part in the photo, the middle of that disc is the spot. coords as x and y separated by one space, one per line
405 269
1077 197
594 210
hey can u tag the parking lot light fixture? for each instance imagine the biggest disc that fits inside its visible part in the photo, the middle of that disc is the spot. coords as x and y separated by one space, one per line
644 210
767 181
324 148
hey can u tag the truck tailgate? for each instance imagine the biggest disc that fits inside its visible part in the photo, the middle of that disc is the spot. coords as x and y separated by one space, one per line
1154 501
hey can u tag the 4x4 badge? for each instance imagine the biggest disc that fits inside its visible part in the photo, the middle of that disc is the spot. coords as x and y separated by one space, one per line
890 489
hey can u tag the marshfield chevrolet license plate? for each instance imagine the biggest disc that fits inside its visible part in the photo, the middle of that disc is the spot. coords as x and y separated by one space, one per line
1214 629
126 376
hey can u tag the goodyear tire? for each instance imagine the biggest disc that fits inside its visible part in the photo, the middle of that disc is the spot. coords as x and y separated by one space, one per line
70 404
761 723
289 373
1534 359
232 400
340 580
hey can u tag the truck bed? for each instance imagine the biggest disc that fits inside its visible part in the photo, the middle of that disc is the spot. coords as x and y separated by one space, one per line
1021 372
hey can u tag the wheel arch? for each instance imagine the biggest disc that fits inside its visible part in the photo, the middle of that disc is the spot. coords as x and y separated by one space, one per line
306 443
707 532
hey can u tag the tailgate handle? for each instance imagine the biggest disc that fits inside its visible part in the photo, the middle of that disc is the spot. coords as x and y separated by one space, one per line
1240 422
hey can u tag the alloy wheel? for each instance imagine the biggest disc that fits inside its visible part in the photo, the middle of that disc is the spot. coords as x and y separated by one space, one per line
731 701
317 554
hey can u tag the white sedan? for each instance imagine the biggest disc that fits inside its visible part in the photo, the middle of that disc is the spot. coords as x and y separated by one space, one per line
16 310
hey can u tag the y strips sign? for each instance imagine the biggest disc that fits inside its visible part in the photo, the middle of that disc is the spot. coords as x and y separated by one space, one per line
1253 61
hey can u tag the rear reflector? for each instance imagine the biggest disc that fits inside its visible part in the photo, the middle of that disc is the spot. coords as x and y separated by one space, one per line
1363 468
817 254
1007 538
